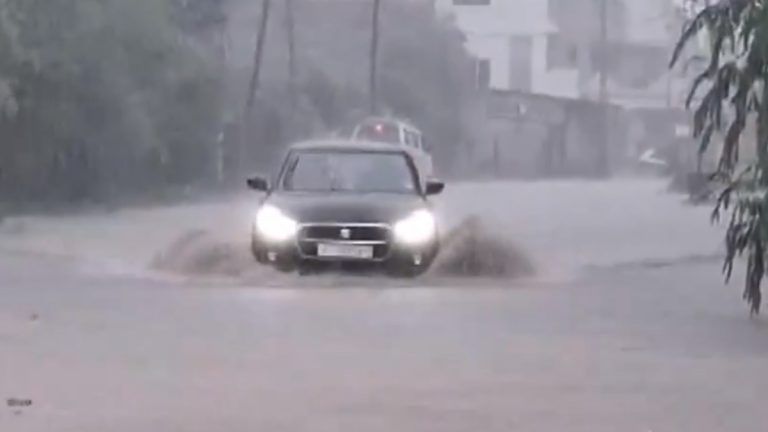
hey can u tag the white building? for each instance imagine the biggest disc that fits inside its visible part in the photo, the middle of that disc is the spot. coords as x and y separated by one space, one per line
549 46
505 35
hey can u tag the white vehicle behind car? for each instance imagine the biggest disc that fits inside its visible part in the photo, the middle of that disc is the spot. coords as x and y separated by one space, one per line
401 133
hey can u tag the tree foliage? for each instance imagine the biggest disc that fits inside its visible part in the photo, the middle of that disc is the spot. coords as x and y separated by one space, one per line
100 97
729 93
424 72
103 98
427 75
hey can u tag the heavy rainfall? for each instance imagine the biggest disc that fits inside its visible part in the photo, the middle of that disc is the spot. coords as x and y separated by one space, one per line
377 215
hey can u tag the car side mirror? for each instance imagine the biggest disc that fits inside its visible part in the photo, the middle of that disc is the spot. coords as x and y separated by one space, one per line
434 187
258 183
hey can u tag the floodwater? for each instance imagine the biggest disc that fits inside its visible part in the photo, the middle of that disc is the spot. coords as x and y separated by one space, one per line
155 319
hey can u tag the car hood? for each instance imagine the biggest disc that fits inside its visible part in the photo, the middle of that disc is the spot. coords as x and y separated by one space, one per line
345 207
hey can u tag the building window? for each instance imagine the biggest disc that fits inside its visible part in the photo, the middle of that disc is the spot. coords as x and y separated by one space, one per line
472 2
520 63
561 53
483 73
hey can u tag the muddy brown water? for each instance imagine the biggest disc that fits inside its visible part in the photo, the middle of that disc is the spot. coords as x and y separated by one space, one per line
468 251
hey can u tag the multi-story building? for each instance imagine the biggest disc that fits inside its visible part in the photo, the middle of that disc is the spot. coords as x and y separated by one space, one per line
501 38
555 47
550 65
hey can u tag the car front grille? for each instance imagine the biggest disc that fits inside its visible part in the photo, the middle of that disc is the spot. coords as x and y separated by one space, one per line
374 235
351 232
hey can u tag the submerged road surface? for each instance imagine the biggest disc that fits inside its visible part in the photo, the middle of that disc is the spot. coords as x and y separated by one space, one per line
626 327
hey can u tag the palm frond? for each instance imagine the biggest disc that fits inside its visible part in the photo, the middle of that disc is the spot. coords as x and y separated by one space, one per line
733 89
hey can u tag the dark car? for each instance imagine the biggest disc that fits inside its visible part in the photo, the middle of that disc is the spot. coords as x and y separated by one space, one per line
353 204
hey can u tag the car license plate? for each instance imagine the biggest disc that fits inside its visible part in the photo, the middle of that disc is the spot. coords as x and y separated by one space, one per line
344 251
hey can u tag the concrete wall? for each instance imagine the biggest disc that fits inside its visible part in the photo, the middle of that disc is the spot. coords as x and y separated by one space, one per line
534 136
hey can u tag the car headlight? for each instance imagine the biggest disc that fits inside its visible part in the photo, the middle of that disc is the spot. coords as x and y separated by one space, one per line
274 225
418 228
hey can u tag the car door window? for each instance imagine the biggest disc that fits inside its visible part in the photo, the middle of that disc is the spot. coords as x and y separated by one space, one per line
411 140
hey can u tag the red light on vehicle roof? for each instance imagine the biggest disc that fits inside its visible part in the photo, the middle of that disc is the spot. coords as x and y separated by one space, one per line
379 127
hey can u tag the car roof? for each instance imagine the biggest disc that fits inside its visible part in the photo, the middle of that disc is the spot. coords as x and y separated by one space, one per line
400 122
347 145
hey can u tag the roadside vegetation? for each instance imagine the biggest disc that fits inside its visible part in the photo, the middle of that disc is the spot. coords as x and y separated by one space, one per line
731 116
105 97
105 100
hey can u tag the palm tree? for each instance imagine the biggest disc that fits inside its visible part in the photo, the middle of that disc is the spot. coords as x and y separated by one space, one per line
730 93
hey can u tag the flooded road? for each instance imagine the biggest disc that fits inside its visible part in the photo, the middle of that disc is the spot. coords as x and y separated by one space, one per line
626 326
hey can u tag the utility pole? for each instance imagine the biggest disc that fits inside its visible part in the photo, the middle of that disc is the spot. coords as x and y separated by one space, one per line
258 55
372 83
290 27
603 97
245 128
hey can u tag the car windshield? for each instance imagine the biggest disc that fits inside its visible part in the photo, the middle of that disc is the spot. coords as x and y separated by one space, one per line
349 172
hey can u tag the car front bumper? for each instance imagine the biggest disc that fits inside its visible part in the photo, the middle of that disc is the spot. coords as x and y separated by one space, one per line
305 248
